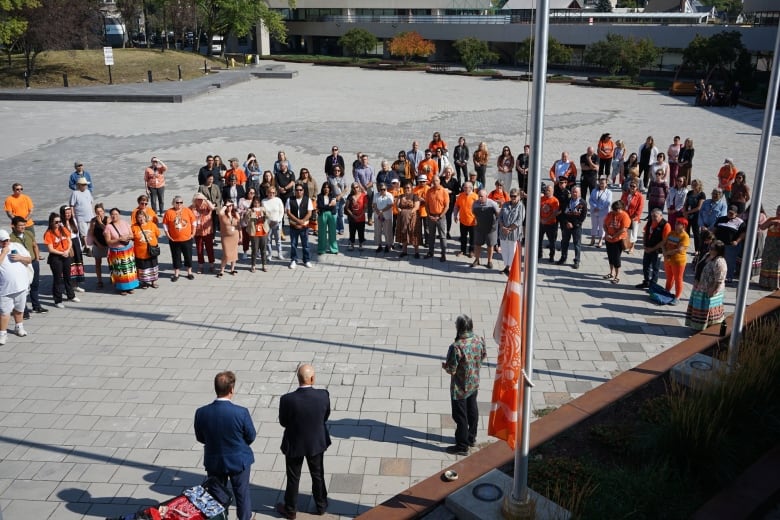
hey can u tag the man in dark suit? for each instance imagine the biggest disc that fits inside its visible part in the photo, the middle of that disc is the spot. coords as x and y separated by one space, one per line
302 414
226 430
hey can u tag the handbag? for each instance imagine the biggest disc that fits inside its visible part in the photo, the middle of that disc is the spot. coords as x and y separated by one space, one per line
154 251
218 490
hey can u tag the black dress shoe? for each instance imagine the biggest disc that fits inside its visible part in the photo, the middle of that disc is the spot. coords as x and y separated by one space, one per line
457 450
40 310
561 261
282 510
643 285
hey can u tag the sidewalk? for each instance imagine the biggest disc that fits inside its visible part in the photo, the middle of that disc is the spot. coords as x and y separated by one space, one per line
97 403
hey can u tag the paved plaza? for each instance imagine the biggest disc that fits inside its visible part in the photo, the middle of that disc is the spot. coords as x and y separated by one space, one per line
97 403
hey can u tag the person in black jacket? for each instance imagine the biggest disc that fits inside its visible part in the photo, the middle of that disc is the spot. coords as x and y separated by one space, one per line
333 160
303 415
572 216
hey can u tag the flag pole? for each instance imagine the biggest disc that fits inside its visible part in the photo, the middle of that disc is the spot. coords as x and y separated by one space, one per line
737 325
517 501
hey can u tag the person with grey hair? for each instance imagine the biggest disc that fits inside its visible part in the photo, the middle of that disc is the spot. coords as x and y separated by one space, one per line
510 227
464 361
712 209
485 212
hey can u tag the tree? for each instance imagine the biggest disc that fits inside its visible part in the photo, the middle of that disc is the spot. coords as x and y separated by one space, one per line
474 52
411 44
556 51
604 6
238 17
58 24
721 51
13 24
358 42
616 53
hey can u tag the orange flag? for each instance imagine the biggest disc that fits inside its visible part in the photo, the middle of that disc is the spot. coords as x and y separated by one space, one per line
508 333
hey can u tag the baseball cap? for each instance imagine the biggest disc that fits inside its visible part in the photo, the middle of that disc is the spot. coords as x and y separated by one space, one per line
728 160
77 164
422 178
4 235
395 181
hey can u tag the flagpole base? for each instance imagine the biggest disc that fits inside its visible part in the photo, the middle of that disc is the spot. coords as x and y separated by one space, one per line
512 509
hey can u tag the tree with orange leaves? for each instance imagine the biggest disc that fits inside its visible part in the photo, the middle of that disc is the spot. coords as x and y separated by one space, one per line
411 44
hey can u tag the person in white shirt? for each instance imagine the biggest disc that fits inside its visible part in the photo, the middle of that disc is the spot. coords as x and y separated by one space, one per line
14 283
274 212
383 210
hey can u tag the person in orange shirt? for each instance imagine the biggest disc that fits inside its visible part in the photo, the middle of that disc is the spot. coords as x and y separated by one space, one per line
726 176
675 257
154 180
396 191
258 232
464 214
634 204
179 226
428 167
616 225
606 151
57 240
549 210
20 205
143 205
499 195
237 171
420 190
437 201
437 142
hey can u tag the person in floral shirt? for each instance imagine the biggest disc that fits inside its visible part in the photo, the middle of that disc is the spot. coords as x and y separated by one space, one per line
464 360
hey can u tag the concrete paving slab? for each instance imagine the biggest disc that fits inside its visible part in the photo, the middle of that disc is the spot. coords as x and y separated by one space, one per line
103 392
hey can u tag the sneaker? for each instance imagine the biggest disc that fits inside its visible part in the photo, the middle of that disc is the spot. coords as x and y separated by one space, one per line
307 264
75 299
281 255
292 265
387 249
19 330
60 305
245 256
79 289
3 337
674 302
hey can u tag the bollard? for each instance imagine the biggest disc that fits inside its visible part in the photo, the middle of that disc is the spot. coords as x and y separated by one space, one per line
149 75
205 67
65 79
26 80
179 72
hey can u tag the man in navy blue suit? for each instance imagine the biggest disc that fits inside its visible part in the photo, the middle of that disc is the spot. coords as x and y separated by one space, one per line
303 414
226 431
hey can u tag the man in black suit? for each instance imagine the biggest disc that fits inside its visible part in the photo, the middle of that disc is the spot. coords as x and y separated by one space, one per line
226 431
303 414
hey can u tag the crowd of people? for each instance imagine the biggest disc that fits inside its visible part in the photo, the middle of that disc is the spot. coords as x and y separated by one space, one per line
412 201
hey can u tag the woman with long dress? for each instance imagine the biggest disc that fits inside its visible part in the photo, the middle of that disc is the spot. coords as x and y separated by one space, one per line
770 259
230 228
121 258
408 228
145 236
705 307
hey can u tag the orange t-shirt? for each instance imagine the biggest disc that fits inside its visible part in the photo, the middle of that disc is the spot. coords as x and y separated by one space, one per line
421 192
437 200
240 176
548 210
180 225
397 192
151 216
726 176
143 237
57 240
434 169
20 206
499 196
616 224
435 145
465 202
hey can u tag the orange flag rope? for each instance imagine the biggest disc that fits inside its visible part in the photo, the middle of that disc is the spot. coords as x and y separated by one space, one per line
508 333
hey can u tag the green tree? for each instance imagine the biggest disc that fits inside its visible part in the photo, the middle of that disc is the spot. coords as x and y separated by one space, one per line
474 52
618 53
358 42
556 51
238 17
722 51
13 23
604 6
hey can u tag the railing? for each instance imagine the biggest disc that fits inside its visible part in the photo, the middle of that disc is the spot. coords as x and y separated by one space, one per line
423 19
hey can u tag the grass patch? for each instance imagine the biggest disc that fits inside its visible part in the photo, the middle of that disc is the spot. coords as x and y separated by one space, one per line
87 68
664 451
629 82
541 412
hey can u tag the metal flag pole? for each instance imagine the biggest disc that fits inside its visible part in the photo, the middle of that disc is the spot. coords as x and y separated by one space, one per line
518 499
751 236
